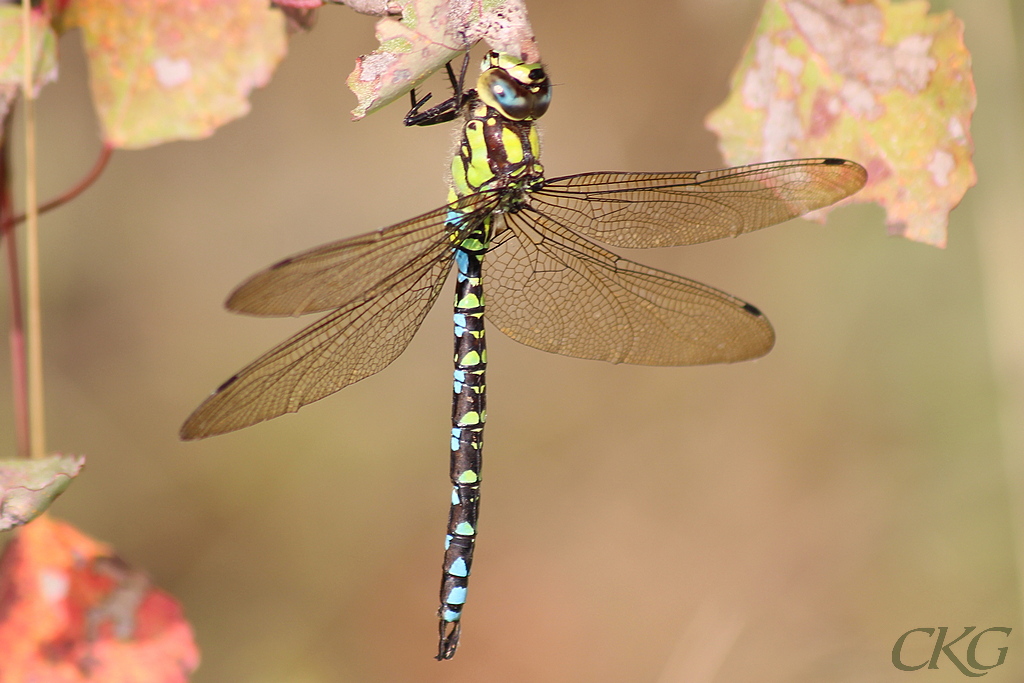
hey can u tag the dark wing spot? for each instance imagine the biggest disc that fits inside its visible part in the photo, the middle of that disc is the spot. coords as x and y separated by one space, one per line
231 380
281 264
833 162
749 308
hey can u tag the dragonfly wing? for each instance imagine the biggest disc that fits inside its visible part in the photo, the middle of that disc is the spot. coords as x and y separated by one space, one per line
343 347
382 285
637 210
338 274
558 292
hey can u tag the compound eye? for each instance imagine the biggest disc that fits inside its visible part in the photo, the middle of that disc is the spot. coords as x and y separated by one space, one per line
541 101
512 98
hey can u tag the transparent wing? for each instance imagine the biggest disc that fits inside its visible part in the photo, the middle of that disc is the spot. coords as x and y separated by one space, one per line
336 274
375 322
555 291
673 209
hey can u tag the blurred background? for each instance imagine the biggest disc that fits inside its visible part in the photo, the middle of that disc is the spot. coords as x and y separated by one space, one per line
784 520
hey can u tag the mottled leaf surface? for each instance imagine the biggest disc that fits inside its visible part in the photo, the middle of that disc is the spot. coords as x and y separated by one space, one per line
75 613
28 487
887 85
429 33
164 70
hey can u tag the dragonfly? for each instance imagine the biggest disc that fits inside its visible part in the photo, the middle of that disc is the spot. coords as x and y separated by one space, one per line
531 251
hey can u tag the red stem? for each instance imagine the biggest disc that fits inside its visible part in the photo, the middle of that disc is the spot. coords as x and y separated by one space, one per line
19 379
77 189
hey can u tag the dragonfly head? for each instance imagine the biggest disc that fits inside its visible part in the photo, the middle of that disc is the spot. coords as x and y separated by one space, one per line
520 91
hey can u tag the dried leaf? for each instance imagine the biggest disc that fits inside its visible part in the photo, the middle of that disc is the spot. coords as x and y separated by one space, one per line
429 34
43 48
887 85
73 613
28 487
164 70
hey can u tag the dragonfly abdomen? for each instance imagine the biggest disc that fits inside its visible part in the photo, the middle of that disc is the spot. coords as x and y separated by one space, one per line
495 152
469 413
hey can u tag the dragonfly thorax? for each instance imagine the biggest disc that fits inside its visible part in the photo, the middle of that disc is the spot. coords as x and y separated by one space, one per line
495 152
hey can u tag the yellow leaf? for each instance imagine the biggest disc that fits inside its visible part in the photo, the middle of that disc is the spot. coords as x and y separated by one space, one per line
886 85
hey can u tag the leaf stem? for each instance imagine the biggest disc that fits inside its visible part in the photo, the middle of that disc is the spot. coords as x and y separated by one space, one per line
37 424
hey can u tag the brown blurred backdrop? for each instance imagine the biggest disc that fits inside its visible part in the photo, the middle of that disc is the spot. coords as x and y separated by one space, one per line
783 520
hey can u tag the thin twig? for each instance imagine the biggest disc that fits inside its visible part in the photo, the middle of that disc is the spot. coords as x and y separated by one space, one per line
79 187
37 424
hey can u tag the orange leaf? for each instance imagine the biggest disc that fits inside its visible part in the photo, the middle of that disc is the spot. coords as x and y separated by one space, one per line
886 85
71 612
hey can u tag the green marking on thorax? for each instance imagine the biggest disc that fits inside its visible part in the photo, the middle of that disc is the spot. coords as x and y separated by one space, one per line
479 167
460 186
513 146
535 146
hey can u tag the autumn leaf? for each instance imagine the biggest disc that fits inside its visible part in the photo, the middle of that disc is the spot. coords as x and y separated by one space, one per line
43 43
429 34
886 85
165 70
28 487
74 613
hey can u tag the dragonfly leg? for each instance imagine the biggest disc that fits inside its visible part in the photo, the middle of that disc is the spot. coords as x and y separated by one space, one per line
414 104
447 110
